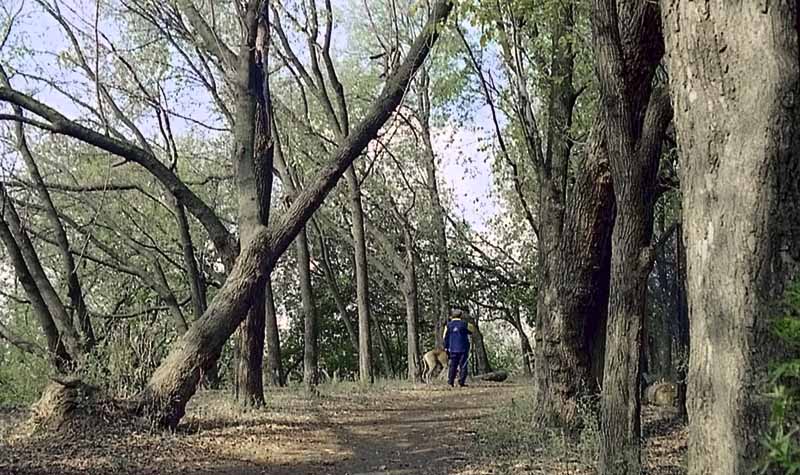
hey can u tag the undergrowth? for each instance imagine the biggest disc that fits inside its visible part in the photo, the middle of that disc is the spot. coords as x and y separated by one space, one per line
782 439
509 435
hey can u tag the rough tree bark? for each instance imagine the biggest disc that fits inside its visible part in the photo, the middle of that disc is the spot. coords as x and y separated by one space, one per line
175 380
574 233
571 308
735 79
636 120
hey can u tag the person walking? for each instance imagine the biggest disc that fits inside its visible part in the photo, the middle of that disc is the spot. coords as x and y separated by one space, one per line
456 344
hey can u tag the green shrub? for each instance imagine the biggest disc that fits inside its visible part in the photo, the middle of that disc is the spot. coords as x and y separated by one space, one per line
781 440
22 377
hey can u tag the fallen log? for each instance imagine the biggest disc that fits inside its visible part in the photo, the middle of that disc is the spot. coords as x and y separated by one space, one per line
497 376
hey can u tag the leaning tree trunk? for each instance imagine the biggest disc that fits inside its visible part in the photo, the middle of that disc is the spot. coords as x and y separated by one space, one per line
32 267
735 79
55 346
175 381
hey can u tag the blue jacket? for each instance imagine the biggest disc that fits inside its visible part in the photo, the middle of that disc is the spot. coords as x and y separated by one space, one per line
456 336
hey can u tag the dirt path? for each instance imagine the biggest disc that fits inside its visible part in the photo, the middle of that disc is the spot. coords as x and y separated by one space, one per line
389 431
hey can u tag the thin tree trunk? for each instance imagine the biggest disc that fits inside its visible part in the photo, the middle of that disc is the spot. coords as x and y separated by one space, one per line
733 69
197 284
330 276
193 275
55 346
81 318
362 279
175 381
412 309
383 344
482 364
273 341
524 341
310 325
441 259
55 307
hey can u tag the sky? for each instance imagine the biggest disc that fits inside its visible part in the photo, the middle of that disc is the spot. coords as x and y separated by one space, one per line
465 168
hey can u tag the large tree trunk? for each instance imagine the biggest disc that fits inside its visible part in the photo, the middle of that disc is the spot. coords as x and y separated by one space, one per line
735 79
249 376
273 341
310 324
175 380
362 279
634 144
572 303
574 235
253 159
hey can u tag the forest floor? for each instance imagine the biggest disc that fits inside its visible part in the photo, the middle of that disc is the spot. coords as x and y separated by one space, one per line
391 429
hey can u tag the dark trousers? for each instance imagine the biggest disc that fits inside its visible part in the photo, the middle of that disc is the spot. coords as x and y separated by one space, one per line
458 361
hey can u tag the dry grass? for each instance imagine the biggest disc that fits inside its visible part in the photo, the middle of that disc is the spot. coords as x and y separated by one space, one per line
394 428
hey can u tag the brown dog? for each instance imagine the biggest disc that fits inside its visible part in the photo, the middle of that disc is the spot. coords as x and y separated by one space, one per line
435 361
